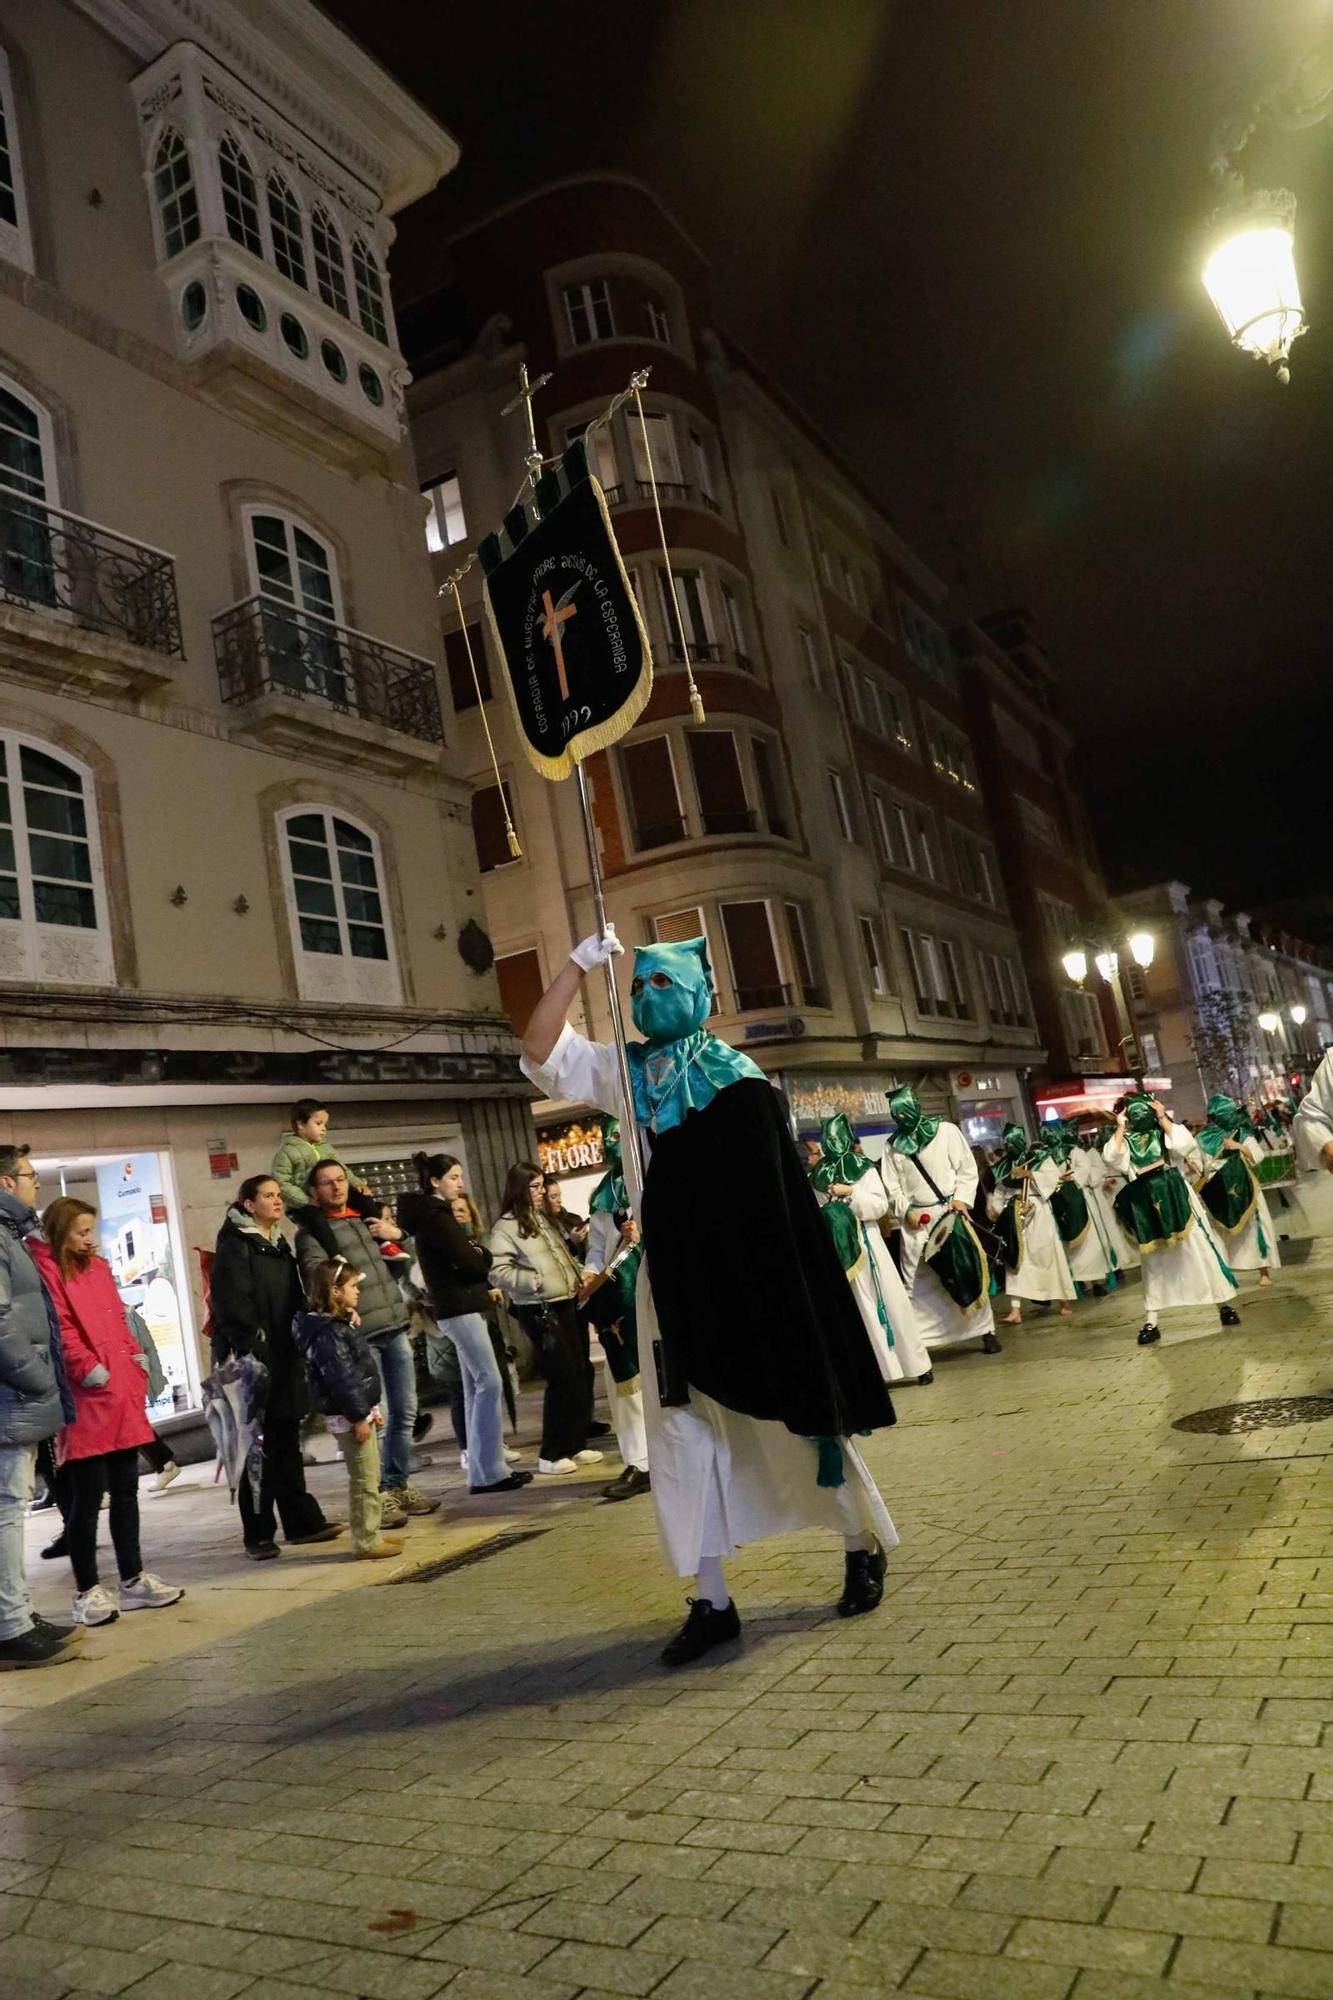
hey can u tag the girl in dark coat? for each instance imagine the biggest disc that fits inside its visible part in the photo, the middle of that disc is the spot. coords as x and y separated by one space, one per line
256 1293
347 1383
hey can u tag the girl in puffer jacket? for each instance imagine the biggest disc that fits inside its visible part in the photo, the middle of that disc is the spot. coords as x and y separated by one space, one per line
347 1388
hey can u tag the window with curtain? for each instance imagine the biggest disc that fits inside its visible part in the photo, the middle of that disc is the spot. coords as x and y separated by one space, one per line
174 193
370 309
648 778
240 196
286 229
330 267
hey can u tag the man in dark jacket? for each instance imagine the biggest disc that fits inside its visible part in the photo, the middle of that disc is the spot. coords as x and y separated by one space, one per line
34 1403
254 1295
326 1228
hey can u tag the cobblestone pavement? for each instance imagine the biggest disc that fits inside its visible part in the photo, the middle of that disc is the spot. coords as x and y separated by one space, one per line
1080 1751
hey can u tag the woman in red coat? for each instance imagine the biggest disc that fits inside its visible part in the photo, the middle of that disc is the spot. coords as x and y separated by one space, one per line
99 1451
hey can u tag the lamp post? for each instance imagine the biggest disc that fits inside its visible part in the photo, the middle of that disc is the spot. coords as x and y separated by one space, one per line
1141 946
1250 269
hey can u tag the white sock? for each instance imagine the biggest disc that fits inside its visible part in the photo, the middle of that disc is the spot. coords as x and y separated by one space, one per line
1150 1318
851 1543
712 1584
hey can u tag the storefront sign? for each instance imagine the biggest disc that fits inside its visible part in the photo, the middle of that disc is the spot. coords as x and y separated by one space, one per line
775 1031
571 1148
222 1164
862 1098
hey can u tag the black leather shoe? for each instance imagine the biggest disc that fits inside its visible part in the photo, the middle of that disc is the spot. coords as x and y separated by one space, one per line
1148 1334
863 1586
629 1485
511 1484
262 1552
1228 1315
54 1550
599 1430
922 1381
702 1630
423 1426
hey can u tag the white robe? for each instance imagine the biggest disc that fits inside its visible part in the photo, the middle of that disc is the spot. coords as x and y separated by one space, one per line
1105 1183
1191 1272
1043 1269
1241 1247
1097 1254
902 1357
948 1159
626 1404
719 1479
1313 1129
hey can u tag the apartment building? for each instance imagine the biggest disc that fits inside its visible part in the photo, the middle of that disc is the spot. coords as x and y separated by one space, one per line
825 827
1227 1004
236 860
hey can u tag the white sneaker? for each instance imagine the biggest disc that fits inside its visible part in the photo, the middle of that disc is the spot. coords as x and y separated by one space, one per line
556 1465
589 1457
95 1607
164 1478
462 1461
512 1457
149 1593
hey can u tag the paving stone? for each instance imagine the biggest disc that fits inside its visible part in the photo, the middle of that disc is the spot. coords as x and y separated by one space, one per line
1264 1968
1193 1916
951 1975
190 1982
634 1971
1089 1944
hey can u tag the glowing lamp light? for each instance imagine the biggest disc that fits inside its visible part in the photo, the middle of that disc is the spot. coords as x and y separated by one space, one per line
1297 1014
1250 276
1108 964
1141 948
1269 1023
1075 963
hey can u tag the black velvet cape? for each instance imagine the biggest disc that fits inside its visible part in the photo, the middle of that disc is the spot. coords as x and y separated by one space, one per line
753 1304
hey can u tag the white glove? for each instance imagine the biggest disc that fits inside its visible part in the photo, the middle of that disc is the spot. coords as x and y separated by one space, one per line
597 950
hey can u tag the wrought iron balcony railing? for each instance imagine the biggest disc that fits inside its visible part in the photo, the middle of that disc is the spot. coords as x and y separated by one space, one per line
266 648
92 576
700 651
750 998
728 819
659 833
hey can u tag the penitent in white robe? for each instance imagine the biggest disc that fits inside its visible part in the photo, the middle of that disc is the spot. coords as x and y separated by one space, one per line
898 1346
1313 1127
948 1159
1253 1247
1043 1270
1097 1254
1192 1272
1103 1185
719 1479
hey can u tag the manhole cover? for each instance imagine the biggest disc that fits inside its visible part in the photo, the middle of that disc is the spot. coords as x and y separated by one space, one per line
1275 1411
495 1545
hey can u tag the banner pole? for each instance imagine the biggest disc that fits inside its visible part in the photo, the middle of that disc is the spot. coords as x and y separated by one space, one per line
630 1138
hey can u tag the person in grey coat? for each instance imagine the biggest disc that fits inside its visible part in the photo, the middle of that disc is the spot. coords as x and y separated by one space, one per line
34 1404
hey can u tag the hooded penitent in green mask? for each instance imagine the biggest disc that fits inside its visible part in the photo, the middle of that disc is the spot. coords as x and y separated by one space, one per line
1231 1192
610 1195
1143 1131
680 1065
913 1129
841 1162
1227 1119
1013 1152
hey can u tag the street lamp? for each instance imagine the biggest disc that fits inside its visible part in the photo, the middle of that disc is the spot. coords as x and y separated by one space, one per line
1270 1023
1297 1014
1142 946
1075 963
1108 964
1250 272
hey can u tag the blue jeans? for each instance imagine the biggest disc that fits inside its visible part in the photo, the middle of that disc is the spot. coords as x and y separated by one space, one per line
483 1398
398 1384
16 1469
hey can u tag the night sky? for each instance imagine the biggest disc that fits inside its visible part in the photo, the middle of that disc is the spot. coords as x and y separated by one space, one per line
964 235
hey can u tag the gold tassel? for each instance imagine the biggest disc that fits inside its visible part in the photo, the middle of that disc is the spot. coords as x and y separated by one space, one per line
515 850
696 699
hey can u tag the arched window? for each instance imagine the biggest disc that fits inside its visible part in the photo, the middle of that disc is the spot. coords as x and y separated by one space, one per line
173 190
296 577
53 923
369 290
330 269
340 924
240 197
27 491
284 221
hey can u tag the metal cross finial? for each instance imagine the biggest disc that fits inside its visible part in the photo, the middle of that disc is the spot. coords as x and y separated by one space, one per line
526 393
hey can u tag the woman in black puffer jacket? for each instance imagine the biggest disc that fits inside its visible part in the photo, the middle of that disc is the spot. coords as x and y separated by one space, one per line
455 1271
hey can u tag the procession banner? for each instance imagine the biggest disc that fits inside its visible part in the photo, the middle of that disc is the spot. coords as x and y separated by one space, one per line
565 621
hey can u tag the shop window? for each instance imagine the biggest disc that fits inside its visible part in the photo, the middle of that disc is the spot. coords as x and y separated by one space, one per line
173 191
519 974
588 311
718 782
53 916
334 881
648 776
489 804
462 686
240 196
756 976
